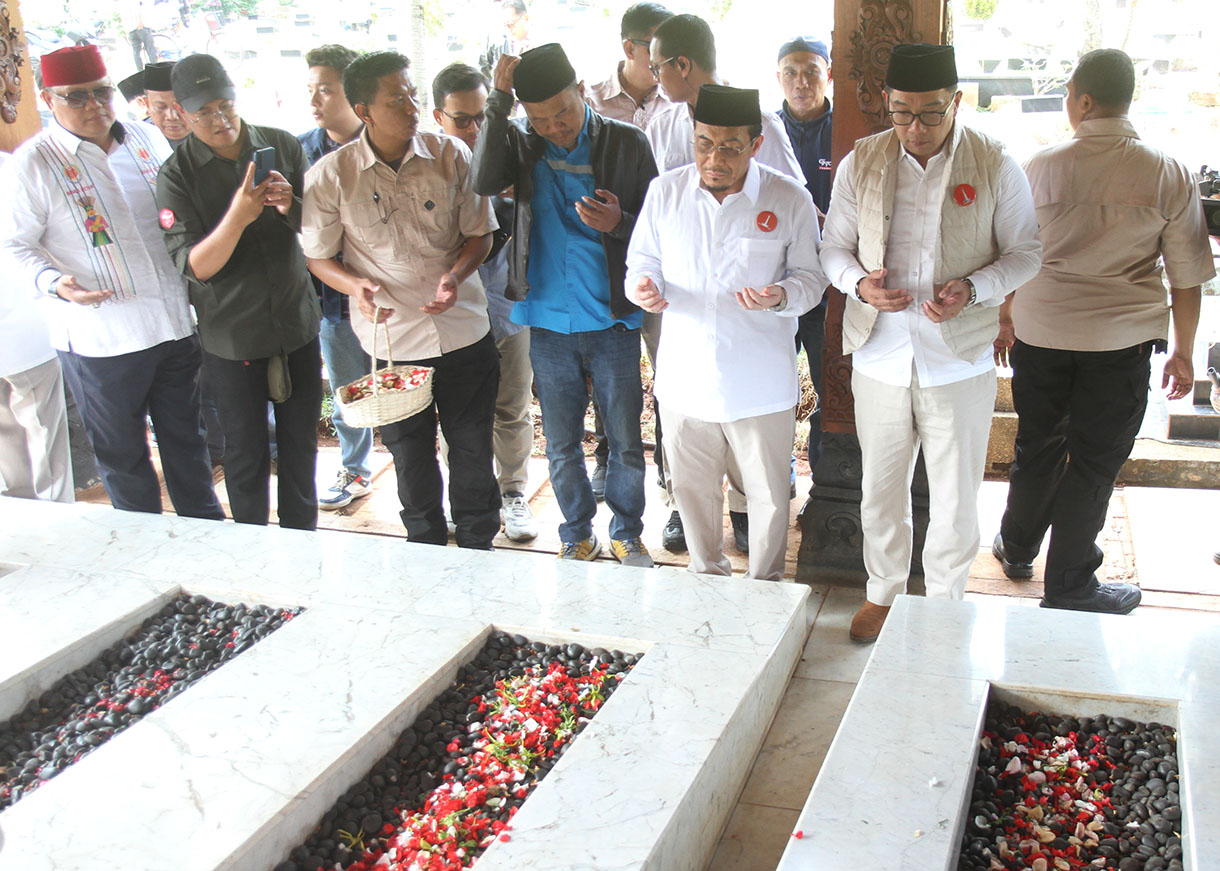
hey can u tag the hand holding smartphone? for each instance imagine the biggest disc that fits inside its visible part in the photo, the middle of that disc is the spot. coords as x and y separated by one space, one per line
264 163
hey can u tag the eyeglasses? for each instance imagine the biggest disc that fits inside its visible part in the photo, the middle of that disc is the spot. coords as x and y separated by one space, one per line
461 122
655 69
704 147
643 42
80 99
226 111
927 119
381 210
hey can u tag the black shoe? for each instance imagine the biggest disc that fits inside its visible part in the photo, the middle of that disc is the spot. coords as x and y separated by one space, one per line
673 537
1014 570
741 530
1117 598
598 482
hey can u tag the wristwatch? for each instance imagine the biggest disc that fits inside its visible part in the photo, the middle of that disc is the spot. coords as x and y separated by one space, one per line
51 289
973 295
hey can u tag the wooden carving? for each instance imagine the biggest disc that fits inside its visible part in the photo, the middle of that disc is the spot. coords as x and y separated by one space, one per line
881 24
838 404
10 66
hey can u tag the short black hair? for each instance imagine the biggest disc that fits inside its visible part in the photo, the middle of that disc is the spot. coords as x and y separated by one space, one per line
456 78
688 36
360 77
640 20
337 57
517 6
1107 75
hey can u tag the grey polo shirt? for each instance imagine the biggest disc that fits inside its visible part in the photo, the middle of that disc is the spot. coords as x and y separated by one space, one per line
261 303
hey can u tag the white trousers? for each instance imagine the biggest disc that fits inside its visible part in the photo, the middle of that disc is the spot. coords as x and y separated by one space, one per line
34 458
952 423
701 454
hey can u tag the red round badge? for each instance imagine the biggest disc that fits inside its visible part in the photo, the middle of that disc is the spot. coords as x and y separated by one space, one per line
766 221
167 219
963 195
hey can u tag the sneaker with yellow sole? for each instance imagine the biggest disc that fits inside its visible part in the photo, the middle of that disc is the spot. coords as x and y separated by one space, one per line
631 552
581 550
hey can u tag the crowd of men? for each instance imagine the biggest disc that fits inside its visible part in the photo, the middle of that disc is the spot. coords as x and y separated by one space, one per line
538 237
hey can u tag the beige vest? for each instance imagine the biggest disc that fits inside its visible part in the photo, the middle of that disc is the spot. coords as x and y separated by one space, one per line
966 241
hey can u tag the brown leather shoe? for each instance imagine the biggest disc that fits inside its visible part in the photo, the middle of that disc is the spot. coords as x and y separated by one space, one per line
866 625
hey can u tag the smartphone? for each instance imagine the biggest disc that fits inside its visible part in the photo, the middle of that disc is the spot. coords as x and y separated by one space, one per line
264 162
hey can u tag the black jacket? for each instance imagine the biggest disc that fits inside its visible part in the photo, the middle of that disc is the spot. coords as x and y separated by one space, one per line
505 155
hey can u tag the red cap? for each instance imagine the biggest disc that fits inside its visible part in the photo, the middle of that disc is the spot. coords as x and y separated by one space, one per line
74 65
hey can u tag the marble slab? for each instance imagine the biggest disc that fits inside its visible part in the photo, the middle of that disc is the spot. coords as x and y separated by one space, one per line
57 620
895 784
240 766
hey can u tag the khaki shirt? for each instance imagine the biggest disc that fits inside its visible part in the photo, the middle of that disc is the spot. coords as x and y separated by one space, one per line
403 230
1111 211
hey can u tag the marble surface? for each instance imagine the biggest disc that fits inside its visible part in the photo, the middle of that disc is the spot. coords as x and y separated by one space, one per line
74 616
895 781
244 763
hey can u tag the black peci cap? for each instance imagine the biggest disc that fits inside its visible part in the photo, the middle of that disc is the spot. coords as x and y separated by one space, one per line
132 86
157 76
722 106
921 67
543 72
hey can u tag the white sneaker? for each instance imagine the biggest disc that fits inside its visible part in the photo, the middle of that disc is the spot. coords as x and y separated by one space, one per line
344 491
519 523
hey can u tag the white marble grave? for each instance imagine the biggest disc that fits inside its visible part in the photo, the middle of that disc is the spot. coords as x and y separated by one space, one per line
896 782
236 770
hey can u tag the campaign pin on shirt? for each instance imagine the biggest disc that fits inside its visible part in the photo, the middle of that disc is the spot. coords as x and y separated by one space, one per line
963 194
167 219
766 221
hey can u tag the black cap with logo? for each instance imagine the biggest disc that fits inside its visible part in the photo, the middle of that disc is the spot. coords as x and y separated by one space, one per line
199 79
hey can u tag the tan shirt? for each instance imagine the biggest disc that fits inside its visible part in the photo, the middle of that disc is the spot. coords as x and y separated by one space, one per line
610 100
404 230
1111 211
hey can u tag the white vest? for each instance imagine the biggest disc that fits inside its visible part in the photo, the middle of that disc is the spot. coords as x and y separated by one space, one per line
966 240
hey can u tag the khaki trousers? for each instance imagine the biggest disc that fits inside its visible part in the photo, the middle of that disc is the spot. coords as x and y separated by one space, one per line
701 454
34 458
952 424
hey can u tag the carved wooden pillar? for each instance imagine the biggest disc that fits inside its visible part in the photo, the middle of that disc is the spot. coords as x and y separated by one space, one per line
865 32
18 98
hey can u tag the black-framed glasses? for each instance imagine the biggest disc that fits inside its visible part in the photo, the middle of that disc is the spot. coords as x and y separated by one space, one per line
705 147
381 209
461 122
80 99
655 69
929 118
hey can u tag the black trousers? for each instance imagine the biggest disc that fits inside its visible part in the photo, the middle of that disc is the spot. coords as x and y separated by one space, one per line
241 397
464 388
811 332
114 394
1078 415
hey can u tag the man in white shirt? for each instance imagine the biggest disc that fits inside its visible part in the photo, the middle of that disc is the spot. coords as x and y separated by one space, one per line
81 227
729 249
34 458
930 226
683 59
683 53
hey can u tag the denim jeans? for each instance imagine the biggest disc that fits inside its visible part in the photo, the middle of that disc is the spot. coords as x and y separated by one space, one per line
612 358
346 361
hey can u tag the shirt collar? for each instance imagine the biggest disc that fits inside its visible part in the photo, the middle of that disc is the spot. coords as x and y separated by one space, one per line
368 157
614 84
749 189
71 142
1106 127
581 139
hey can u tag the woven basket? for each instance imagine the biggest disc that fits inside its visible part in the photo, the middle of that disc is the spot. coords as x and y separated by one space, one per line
386 406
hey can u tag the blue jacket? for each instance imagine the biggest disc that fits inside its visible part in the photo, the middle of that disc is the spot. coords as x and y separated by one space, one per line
811 142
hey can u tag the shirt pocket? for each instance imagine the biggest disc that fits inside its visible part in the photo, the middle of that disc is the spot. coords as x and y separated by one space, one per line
434 220
763 261
366 220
